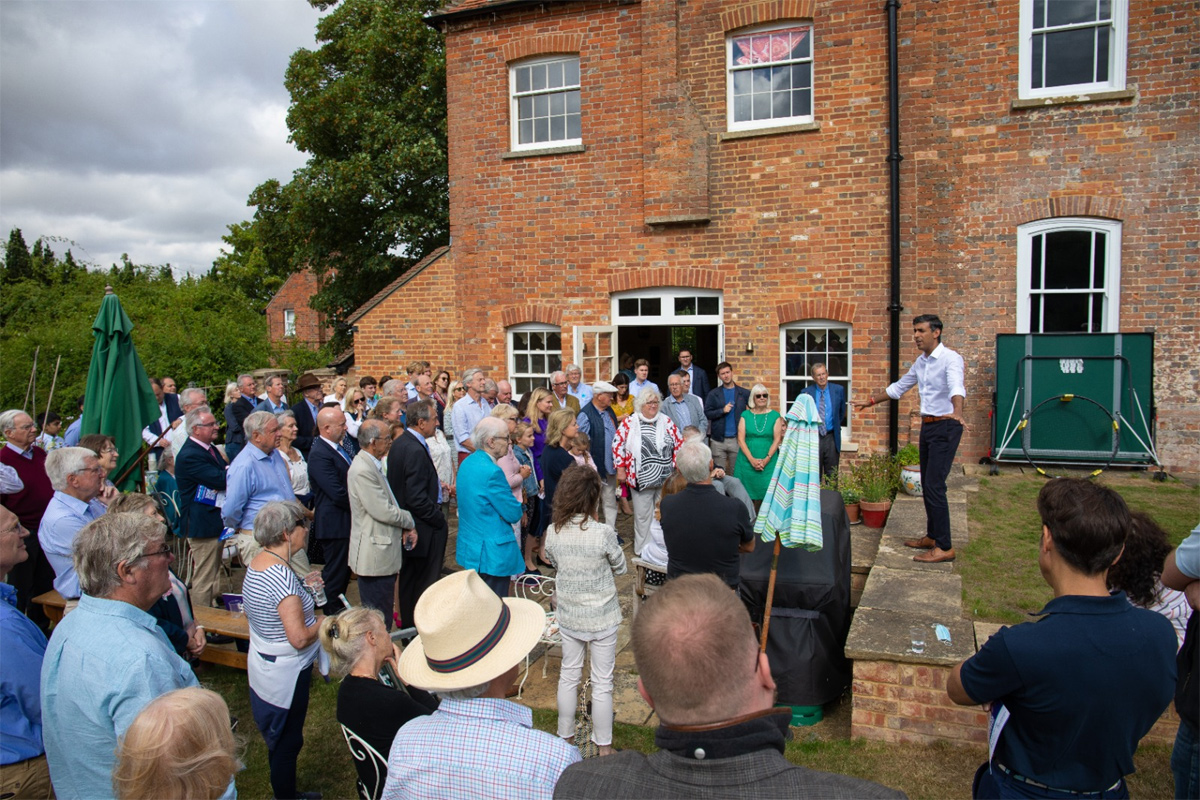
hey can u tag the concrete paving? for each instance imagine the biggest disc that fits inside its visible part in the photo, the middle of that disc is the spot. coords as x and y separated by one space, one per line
883 635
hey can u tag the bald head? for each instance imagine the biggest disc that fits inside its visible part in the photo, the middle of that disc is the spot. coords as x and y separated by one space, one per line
331 422
696 654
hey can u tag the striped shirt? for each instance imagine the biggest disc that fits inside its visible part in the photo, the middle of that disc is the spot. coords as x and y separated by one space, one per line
263 591
475 750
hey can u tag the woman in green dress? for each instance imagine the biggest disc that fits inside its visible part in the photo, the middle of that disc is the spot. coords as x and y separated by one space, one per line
760 433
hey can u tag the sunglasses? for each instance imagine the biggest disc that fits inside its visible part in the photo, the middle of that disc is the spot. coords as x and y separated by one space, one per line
763 396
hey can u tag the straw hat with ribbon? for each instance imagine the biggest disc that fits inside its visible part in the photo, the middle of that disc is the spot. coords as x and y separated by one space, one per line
468 635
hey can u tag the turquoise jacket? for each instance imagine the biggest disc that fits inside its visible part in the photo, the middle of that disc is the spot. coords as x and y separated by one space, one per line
487 511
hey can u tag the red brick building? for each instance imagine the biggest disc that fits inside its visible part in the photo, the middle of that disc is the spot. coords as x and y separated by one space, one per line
627 177
289 316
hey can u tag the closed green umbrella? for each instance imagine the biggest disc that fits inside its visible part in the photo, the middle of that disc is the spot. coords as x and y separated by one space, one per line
118 401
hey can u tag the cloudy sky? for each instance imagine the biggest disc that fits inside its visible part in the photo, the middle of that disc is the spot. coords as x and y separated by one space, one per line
141 126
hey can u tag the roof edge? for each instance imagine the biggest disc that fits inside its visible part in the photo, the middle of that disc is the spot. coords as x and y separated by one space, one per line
386 291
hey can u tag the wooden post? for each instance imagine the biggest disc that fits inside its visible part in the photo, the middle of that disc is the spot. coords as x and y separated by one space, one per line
770 593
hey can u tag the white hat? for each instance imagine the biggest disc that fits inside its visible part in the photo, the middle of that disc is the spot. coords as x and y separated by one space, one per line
603 386
468 635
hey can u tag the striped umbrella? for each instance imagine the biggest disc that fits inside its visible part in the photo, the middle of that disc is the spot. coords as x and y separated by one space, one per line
791 512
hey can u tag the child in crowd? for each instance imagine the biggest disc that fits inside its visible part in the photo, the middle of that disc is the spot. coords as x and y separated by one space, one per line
522 442
655 551
51 425
581 451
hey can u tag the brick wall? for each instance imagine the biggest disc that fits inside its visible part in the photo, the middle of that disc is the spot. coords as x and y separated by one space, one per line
896 702
798 219
294 295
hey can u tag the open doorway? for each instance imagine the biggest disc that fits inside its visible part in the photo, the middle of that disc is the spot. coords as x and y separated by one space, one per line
660 345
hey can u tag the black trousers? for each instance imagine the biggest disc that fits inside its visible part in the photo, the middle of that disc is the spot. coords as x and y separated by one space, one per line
939 443
828 453
378 591
336 572
418 574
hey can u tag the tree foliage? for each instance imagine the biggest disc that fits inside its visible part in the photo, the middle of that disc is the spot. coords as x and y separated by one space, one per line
369 107
198 330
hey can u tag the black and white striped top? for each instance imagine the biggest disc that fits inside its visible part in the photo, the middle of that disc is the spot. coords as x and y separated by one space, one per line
263 591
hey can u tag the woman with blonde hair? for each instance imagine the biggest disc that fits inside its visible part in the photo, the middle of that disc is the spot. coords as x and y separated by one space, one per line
359 649
456 392
233 429
297 468
338 395
355 407
759 435
179 745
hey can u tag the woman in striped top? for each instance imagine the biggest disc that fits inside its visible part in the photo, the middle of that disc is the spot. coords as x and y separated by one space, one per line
283 639
587 556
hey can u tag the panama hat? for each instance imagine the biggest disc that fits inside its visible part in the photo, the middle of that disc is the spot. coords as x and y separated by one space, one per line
467 634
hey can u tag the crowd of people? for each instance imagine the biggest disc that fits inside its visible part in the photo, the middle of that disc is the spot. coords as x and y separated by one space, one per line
363 478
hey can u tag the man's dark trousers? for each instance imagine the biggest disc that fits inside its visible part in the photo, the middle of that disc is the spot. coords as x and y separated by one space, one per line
939 443
827 448
378 591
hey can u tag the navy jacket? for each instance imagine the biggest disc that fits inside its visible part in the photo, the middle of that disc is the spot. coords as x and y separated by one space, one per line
327 471
835 415
714 409
194 468
306 427
414 482
174 412
700 385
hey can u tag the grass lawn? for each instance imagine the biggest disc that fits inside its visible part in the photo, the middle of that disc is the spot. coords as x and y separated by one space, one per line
1001 581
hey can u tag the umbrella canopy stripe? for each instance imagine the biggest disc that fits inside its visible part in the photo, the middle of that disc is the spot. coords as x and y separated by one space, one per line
792 507
118 400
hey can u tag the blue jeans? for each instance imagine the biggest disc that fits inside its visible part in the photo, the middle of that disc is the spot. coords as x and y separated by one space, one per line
1185 761
991 783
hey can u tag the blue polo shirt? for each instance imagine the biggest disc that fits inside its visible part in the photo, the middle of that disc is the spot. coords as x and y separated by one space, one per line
1083 684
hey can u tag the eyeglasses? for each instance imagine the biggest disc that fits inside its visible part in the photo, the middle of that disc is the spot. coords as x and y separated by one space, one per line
212 424
166 551
559 383
99 470
109 449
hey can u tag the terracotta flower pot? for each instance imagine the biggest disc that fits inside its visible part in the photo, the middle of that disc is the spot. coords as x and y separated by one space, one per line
874 515
852 512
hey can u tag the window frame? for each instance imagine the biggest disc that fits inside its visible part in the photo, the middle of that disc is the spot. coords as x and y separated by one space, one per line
289 322
1118 54
731 125
1110 315
514 377
514 100
846 381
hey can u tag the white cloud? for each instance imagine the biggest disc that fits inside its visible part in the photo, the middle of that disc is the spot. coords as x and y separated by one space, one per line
141 126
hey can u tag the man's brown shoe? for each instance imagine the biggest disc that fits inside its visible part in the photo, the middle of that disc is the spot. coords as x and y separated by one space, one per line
936 556
924 542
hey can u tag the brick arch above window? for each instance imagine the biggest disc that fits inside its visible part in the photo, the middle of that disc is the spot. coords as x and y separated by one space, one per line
517 315
543 45
800 310
1070 205
665 276
742 16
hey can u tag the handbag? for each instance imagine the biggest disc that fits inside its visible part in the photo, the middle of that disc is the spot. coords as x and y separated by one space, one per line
583 723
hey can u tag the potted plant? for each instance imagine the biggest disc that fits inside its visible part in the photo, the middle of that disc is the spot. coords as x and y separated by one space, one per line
842 482
877 480
909 459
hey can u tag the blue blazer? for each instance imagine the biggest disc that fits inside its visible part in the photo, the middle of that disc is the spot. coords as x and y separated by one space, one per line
700 385
194 468
714 409
306 427
486 513
835 415
327 471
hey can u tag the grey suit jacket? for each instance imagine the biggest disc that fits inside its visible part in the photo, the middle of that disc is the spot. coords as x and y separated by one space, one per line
761 774
376 521
695 406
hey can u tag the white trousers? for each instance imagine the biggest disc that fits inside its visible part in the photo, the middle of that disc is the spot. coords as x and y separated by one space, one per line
608 499
644 501
601 646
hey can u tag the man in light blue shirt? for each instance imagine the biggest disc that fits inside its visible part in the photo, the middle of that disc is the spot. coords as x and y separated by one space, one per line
641 371
683 407
576 387
469 409
108 658
256 477
23 768
77 478
938 374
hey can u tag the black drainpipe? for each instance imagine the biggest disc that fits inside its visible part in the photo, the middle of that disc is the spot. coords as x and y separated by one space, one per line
894 159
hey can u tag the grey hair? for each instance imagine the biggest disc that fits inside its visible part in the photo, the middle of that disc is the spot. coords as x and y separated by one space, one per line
691 432
344 636
281 415
645 395
8 420
555 374
814 367
185 397
246 376
490 385
64 462
572 368
469 373
419 411
371 430
230 388
504 411
487 428
271 379
102 544
693 461
275 519
394 387
256 422
470 693
192 418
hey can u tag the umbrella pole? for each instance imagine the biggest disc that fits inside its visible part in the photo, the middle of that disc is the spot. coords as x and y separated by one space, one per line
770 594
134 464
32 374
53 383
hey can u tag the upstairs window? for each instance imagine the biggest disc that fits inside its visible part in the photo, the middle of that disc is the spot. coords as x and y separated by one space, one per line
1072 46
289 322
545 103
1069 276
770 77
